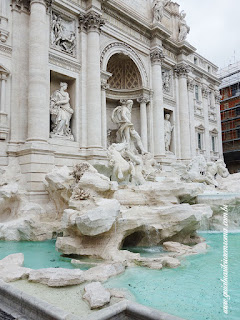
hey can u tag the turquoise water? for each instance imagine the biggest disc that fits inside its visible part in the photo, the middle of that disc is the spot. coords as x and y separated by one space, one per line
192 291
37 255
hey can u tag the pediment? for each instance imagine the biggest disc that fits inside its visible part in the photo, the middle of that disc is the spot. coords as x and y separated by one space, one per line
214 131
4 70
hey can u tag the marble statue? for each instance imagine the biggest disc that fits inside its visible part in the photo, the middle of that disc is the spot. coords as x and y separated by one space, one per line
122 169
158 8
183 27
61 113
126 132
62 38
168 128
150 167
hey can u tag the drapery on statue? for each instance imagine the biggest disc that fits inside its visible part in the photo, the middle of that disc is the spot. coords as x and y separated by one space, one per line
61 113
183 27
158 8
168 128
126 132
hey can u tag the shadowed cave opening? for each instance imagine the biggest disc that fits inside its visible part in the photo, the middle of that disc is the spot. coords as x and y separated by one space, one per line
134 239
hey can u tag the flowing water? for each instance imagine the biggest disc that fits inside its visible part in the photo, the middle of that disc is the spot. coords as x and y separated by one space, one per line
192 291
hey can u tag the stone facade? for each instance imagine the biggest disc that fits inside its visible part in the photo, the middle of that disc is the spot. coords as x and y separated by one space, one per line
106 52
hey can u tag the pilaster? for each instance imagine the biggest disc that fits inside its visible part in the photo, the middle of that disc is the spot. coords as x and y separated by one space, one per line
143 116
157 58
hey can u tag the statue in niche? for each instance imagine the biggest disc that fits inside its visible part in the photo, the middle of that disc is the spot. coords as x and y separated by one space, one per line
61 113
183 27
166 81
168 128
158 9
126 132
62 37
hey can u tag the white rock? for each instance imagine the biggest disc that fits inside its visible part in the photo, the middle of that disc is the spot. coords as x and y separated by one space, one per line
100 219
200 247
16 259
57 277
103 272
178 248
170 262
13 272
96 295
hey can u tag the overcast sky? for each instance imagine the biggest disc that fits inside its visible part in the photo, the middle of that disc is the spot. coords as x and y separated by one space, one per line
214 28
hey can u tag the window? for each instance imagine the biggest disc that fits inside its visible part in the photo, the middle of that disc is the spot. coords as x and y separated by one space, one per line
195 60
238 132
226 105
213 143
209 69
238 111
197 92
199 135
210 98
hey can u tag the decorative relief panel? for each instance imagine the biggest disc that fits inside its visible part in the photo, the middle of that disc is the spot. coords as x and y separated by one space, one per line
63 33
167 81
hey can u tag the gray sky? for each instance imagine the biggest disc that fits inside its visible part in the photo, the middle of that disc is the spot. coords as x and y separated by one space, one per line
214 28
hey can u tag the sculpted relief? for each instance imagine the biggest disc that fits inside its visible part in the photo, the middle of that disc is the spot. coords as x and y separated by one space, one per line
61 113
158 9
63 36
167 81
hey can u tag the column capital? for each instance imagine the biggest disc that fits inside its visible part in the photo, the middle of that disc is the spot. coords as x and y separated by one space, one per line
157 56
182 70
143 100
91 21
20 5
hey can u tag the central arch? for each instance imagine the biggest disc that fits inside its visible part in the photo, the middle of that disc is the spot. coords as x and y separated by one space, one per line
125 74
124 49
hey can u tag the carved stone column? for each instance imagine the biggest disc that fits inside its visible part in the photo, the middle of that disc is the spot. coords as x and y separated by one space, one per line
158 110
104 86
4 127
38 97
205 97
92 23
181 72
191 99
219 125
143 116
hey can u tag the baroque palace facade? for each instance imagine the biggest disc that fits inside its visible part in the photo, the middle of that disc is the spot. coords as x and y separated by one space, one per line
65 65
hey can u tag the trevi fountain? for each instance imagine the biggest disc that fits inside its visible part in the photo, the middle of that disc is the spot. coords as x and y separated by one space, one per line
115 201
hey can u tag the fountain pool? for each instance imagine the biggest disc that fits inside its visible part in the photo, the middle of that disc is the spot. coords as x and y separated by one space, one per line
38 255
192 291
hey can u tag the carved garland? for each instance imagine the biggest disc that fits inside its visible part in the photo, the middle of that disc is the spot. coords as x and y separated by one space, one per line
125 46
